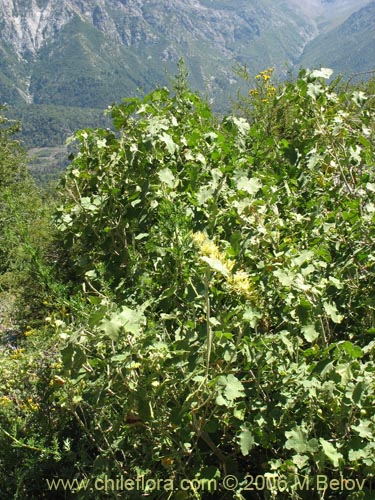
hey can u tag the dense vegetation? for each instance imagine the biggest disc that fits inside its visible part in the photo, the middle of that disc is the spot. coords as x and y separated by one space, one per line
199 314
46 125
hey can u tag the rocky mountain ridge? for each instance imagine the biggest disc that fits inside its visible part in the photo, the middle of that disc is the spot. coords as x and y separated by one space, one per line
211 36
90 53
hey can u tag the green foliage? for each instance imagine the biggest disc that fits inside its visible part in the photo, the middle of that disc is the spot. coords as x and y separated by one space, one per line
223 317
27 251
46 125
29 422
12 159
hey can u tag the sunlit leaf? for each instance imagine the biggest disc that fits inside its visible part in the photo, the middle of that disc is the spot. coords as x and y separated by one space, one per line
332 312
168 141
216 265
247 441
233 388
322 73
166 176
309 333
331 452
251 186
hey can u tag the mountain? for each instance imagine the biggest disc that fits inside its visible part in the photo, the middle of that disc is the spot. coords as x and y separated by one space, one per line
327 14
348 48
90 53
59 57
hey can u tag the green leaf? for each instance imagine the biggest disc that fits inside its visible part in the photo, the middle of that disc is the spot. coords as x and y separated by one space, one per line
233 388
111 327
304 256
297 440
209 473
251 186
314 90
216 265
141 236
365 429
322 73
246 440
204 194
353 350
332 312
330 452
252 316
358 391
300 460
87 205
242 125
360 450
221 401
166 176
169 142
286 278
128 319
131 319
309 333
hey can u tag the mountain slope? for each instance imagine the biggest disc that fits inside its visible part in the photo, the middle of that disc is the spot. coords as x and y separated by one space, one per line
327 14
349 48
93 52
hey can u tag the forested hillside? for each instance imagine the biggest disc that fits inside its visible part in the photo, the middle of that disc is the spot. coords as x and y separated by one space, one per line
190 315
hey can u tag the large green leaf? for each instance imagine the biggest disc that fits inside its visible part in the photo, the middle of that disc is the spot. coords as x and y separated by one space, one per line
232 387
166 176
129 320
331 452
251 186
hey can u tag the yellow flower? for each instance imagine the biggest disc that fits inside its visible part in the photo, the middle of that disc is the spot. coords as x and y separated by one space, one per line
229 264
33 406
209 249
167 462
5 401
198 237
17 353
240 283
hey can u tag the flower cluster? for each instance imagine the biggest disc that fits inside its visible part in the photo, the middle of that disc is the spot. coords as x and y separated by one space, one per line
30 331
5 401
17 353
264 89
239 281
265 75
30 404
